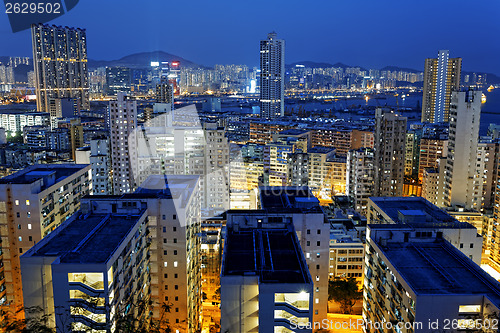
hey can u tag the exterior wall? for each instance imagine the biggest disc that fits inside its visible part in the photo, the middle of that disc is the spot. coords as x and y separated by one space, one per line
28 214
272 77
313 233
101 166
71 300
431 150
466 240
347 260
340 140
60 61
441 77
382 279
430 183
390 134
239 304
362 139
360 178
122 122
460 173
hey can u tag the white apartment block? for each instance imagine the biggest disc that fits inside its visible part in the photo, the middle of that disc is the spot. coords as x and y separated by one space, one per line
122 124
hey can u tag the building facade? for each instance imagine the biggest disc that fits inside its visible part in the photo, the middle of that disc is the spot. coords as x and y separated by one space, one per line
33 202
122 124
441 77
60 61
272 77
462 185
389 153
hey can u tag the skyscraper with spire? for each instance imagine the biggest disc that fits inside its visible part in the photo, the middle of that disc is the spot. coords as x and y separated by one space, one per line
272 77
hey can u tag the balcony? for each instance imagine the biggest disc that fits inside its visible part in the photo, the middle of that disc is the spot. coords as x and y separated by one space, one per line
89 322
291 309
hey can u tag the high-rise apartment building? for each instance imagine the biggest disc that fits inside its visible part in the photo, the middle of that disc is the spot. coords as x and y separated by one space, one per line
122 124
432 148
118 79
186 150
297 207
165 93
441 77
173 212
427 220
265 282
272 77
389 154
33 202
60 62
462 184
327 172
346 248
360 178
92 270
418 282
100 161
412 150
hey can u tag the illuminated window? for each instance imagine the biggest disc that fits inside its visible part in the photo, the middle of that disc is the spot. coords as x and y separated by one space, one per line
175 263
469 308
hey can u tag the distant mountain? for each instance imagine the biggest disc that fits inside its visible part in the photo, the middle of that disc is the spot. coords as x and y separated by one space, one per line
142 60
404 69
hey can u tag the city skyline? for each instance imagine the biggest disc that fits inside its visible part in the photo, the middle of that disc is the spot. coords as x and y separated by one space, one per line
353 33
291 187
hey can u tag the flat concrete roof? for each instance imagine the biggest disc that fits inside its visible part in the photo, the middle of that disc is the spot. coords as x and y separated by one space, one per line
435 216
289 198
437 268
272 254
293 131
87 238
33 173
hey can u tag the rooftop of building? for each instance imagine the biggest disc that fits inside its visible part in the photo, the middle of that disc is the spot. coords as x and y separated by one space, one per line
288 198
36 172
157 187
321 150
272 254
23 112
417 212
293 131
86 239
439 268
171 185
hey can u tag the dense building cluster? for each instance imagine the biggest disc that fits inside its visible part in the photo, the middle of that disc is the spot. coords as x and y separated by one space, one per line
148 198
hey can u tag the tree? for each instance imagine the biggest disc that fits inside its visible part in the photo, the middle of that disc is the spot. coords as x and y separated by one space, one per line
345 292
36 322
130 323
17 138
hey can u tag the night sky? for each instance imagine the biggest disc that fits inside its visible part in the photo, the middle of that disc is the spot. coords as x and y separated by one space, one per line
372 34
